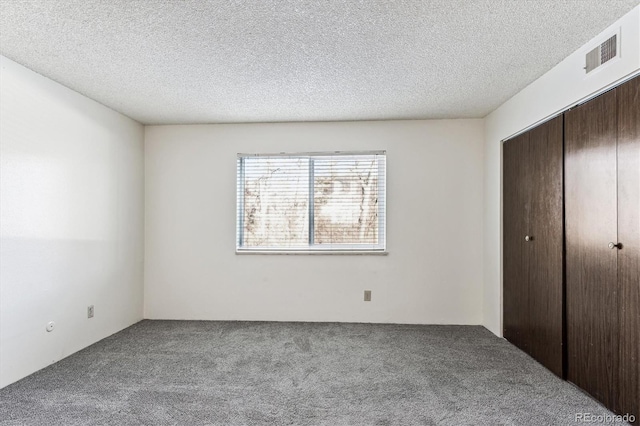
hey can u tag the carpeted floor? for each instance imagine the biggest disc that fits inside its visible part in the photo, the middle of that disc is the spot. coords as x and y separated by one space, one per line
259 373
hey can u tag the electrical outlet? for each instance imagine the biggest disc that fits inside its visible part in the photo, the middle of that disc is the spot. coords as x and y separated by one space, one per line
367 295
90 312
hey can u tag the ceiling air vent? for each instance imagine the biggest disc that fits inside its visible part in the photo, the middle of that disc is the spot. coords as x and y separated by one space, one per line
602 53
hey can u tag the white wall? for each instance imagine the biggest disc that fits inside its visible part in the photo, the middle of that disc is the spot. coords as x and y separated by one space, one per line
561 87
71 221
432 273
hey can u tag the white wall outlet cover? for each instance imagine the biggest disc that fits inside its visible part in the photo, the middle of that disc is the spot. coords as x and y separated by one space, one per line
50 326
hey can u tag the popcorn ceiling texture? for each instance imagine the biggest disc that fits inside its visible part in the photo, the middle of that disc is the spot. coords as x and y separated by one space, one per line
195 61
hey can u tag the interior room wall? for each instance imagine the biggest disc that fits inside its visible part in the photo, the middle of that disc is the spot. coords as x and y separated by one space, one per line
563 86
71 221
432 274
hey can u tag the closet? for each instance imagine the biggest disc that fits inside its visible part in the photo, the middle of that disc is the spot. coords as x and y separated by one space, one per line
533 243
602 202
571 245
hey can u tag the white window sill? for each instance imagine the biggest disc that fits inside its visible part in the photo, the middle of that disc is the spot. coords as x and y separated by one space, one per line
316 252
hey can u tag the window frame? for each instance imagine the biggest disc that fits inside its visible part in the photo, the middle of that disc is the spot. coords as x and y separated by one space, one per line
312 248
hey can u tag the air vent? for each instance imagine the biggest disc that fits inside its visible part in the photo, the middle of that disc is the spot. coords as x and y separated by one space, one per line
602 53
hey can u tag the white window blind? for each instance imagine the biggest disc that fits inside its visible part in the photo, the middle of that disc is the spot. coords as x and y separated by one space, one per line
311 202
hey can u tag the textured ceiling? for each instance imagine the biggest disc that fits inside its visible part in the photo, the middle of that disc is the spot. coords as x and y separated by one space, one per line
194 61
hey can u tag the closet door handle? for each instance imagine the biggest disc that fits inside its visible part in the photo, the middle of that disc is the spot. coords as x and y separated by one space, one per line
615 245
528 238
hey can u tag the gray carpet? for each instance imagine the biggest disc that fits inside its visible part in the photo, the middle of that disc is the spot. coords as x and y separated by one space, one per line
260 373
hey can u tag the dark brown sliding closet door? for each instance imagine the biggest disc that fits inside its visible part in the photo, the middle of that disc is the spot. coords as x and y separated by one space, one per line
516 190
629 237
533 243
546 245
591 266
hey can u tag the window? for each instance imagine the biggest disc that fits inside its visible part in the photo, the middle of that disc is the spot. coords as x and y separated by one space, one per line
320 202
